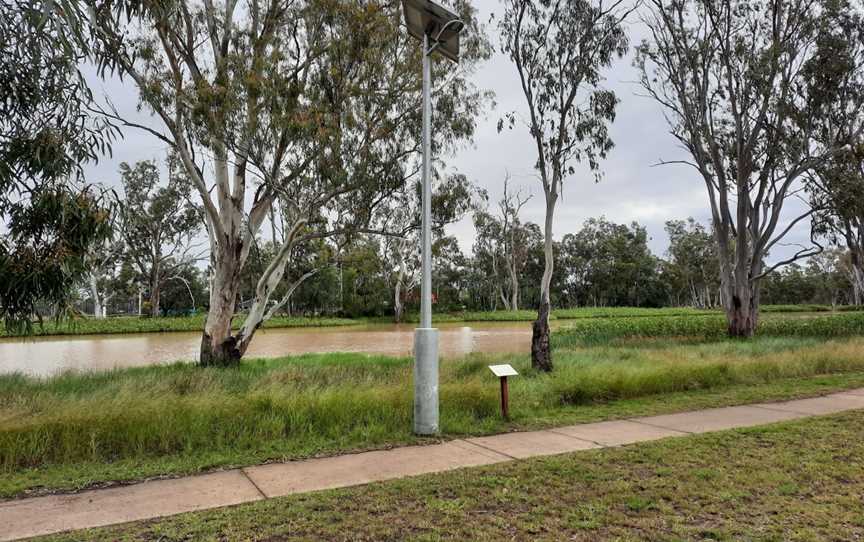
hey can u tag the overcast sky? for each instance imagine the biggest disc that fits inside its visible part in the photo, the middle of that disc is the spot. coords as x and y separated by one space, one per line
633 187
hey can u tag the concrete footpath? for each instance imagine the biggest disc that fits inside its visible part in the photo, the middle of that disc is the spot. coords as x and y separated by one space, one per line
99 507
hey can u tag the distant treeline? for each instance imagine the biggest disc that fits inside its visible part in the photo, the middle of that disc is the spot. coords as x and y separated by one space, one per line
604 264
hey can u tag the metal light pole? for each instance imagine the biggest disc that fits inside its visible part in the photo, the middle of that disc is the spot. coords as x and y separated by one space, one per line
426 337
438 30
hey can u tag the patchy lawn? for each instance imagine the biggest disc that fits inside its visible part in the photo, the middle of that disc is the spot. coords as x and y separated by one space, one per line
800 480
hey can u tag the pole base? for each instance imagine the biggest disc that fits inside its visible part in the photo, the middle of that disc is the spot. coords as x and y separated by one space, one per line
426 381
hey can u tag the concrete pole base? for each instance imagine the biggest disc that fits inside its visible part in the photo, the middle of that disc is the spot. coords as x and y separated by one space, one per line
426 381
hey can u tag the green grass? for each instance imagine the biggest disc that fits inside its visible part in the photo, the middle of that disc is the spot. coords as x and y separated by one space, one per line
465 316
795 481
803 308
603 330
629 312
134 324
75 430
526 315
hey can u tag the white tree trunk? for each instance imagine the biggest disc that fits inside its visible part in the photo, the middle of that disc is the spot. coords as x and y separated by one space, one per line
541 353
219 346
286 299
98 308
514 285
857 284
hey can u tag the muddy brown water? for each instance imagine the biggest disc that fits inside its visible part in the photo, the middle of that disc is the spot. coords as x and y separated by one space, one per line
46 356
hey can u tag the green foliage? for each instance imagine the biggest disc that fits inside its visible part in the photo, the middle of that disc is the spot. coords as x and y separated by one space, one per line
47 130
610 264
559 51
44 252
47 219
158 224
692 272
826 279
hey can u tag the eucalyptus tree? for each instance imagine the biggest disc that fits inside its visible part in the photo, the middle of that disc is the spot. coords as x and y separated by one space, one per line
609 264
837 192
50 217
559 49
159 224
103 262
515 238
451 274
836 187
692 268
452 198
745 87
505 238
308 102
487 256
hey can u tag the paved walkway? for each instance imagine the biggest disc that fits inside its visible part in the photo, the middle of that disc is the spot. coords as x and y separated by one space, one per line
95 508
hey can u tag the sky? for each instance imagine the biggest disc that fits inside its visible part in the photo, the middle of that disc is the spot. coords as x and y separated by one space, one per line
633 187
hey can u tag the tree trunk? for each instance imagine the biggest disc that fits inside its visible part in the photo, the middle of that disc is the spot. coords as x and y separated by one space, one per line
98 310
858 285
219 347
503 297
742 317
742 310
154 298
541 353
514 288
398 307
857 265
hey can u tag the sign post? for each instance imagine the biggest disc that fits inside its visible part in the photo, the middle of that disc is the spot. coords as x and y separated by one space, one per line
502 372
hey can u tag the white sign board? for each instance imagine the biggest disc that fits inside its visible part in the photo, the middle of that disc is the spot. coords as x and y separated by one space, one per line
503 370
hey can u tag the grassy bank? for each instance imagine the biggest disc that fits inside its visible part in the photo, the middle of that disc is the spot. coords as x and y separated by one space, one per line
558 314
579 313
134 324
79 429
797 481
603 330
